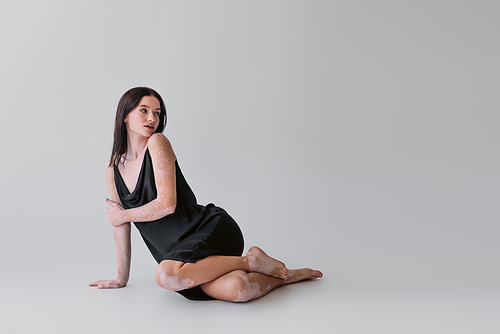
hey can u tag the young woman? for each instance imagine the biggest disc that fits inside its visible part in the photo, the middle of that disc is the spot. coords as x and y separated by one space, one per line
198 248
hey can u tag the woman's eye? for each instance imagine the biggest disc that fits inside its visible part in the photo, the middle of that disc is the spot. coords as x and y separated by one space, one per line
143 110
157 114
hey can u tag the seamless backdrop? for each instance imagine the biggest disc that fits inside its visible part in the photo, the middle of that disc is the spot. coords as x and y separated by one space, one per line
360 138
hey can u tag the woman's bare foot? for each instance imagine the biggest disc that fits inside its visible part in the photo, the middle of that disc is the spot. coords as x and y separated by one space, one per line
297 275
260 262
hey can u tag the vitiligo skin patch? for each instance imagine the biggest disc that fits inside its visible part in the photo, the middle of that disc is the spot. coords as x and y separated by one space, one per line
251 291
174 283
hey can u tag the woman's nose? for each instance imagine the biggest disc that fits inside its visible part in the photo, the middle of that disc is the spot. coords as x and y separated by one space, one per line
150 116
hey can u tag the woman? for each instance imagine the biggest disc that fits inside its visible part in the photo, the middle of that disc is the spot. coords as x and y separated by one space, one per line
198 248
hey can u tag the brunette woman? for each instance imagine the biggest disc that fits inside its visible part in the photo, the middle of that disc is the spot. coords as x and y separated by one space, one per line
198 248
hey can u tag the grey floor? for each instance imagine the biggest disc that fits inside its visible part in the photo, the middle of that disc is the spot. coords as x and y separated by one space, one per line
62 305
44 288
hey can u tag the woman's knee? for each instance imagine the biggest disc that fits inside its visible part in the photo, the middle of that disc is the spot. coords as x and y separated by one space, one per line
167 276
242 289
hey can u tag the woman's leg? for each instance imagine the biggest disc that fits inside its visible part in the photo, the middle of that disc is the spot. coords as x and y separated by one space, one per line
239 286
176 276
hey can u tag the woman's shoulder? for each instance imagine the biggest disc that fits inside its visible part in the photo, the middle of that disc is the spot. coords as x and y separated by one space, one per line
159 144
158 139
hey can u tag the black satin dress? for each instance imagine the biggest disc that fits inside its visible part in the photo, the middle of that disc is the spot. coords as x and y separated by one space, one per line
191 233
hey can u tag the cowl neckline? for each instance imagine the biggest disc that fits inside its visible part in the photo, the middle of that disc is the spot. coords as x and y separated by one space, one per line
141 172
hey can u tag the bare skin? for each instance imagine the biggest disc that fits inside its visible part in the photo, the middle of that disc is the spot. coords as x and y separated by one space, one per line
123 251
231 278
240 286
260 262
297 275
173 274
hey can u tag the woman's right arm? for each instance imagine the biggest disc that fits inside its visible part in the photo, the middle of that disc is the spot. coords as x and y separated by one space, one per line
122 242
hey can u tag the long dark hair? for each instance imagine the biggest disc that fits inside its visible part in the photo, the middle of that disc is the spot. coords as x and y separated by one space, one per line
128 102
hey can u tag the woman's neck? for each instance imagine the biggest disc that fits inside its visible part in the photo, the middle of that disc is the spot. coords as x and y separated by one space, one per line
135 146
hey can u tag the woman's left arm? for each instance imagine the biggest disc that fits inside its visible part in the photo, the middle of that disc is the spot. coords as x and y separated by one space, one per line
163 158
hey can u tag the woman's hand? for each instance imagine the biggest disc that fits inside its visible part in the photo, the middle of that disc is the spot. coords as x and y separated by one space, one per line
108 284
115 215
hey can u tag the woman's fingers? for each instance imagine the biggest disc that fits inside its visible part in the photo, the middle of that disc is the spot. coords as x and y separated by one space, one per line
114 213
104 284
96 283
110 202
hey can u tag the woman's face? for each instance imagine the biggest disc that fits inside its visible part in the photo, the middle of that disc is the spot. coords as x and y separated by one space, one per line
144 118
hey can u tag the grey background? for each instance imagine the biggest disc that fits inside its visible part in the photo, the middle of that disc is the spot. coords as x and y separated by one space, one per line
359 138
